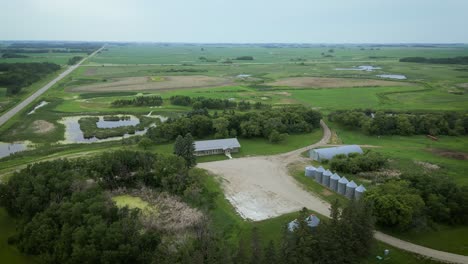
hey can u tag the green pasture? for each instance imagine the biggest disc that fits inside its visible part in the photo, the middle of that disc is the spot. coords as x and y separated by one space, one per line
190 53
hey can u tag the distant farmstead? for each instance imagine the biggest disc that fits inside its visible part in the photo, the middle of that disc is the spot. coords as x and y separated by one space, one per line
329 153
216 146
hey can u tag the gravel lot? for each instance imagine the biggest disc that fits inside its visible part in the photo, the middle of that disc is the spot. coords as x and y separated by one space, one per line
260 187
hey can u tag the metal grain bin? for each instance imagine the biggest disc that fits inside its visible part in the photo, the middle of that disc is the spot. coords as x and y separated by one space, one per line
318 174
350 187
342 185
334 182
359 192
310 171
326 178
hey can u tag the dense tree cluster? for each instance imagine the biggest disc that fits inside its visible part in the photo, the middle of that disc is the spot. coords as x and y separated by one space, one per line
13 55
346 238
15 76
417 200
253 124
455 60
355 162
405 124
139 101
244 58
74 60
54 47
214 103
67 217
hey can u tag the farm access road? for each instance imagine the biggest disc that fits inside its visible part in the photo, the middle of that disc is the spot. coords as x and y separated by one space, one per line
260 187
12 112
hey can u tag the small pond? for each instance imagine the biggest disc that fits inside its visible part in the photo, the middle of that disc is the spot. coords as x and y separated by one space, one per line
131 121
73 133
6 149
392 76
359 68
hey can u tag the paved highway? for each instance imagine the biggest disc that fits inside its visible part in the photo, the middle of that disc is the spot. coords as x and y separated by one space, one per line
12 112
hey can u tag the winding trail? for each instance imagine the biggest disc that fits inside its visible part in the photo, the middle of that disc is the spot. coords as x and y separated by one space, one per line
12 112
248 173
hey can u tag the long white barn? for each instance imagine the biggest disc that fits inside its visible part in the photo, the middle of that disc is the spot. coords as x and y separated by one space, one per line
216 146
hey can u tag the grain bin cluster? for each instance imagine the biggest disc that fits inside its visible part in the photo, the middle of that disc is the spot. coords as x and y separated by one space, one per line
334 182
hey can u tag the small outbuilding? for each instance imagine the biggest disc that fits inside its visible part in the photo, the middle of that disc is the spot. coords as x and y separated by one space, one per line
329 153
359 192
310 171
326 178
350 187
217 146
334 181
318 174
342 185
311 220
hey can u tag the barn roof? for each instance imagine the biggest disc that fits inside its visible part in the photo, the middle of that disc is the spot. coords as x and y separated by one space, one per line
227 143
328 153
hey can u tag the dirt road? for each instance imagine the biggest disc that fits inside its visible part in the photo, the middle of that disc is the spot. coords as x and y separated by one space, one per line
8 115
260 188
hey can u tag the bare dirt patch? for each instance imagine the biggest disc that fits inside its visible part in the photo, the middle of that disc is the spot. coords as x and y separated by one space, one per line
260 187
147 84
318 82
42 127
451 154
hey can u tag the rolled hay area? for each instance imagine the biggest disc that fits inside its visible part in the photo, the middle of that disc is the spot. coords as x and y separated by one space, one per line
260 187
149 83
318 82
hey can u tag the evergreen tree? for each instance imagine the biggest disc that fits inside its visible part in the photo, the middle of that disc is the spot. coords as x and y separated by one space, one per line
256 247
269 256
189 153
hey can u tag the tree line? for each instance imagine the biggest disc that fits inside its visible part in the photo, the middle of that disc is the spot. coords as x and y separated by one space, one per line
355 162
139 101
405 124
454 60
201 124
16 76
74 60
418 201
214 103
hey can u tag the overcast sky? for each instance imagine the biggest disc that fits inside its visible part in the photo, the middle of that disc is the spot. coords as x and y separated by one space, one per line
307 21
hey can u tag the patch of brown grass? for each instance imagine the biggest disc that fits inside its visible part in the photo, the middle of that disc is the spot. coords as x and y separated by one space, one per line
451 154
319 82
147 84
42 127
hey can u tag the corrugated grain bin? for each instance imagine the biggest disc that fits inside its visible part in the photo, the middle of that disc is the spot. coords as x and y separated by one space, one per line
359 192
334 182
318 174
350 187
342 185
326 178
310 171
